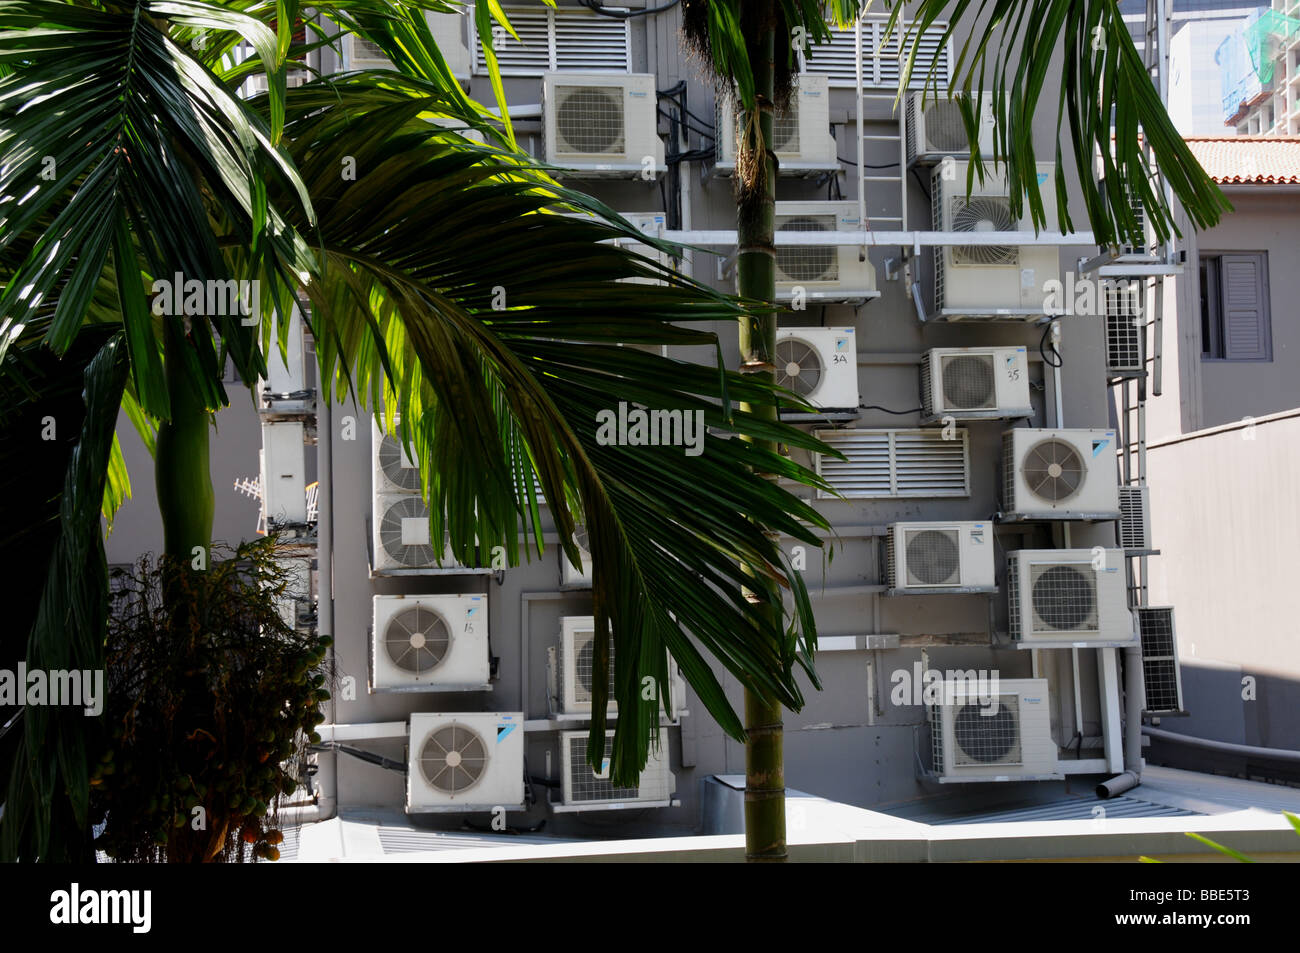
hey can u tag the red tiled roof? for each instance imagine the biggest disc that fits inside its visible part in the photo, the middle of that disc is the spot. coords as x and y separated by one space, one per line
1244 160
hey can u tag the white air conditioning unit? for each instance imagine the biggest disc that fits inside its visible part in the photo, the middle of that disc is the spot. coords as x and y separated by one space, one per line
821 272
1002 733
923 557
602 122
1149 251
284 488
362 54
1059 474
802 134
571 577
393 469
1068 597
652 223
820 365
400 527
1125 329
451 33
936 130
572 668
429 643
989 277
285 376
586 789
975 382
296 597
467 761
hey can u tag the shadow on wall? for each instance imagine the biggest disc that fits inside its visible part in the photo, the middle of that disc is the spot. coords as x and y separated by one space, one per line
1239 706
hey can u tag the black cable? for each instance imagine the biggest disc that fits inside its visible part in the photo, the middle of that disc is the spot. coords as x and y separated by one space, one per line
1059 362
899 413
595 7
707 134
368 756
888 165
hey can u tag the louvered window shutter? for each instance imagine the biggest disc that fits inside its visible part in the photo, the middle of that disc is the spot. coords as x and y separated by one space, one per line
1246 332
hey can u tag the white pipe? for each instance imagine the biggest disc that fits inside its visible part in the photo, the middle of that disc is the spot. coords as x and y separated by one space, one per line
327 802
884 238
1118 784
862 160
362 732
1277 754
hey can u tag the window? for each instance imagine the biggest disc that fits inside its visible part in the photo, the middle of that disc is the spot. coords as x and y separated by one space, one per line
1235 322
551 40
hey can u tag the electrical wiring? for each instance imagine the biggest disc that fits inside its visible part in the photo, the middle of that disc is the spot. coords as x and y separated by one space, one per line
1058 361
886 410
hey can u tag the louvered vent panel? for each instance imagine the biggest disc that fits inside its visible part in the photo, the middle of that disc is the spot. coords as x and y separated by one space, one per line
553 40
530 55
981 736
836 59
889 463
591 43
1134 532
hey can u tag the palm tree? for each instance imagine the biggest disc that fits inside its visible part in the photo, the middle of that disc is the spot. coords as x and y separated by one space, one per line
127 159
751 47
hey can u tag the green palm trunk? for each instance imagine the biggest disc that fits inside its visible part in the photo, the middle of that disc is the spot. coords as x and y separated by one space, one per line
182 461
756 269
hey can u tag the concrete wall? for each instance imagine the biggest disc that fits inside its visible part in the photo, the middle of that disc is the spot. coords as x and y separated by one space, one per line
1226 519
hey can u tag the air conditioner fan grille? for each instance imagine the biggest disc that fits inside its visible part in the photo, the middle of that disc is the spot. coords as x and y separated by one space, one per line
798 366
933 557
1064 598
987 735
417 640
809 262
968 382
1053 470
589 120
453 759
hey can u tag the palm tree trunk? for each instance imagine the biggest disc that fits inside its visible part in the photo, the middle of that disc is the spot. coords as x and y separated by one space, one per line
182 465
756 271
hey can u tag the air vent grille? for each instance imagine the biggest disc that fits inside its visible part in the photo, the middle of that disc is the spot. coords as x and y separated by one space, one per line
1160 670
1124 330
933 557
897 463
987 735
811 262
1064 598
584 785
589 120
968 382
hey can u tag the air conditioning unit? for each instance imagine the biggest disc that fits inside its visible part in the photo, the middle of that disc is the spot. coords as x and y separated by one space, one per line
468 761
801 134
1068 597
936 130
572 665
295 602
394 470
1005 735
966 383
821 272
1059 474
429 643
571 577
652 223
989 278
820 365
284 488
362 54
1149 251
284 389
585 789
451 33
602 122
1134 517
924 557
1125 331
400 527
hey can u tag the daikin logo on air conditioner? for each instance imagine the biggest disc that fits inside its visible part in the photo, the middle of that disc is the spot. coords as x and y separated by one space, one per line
1098 446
